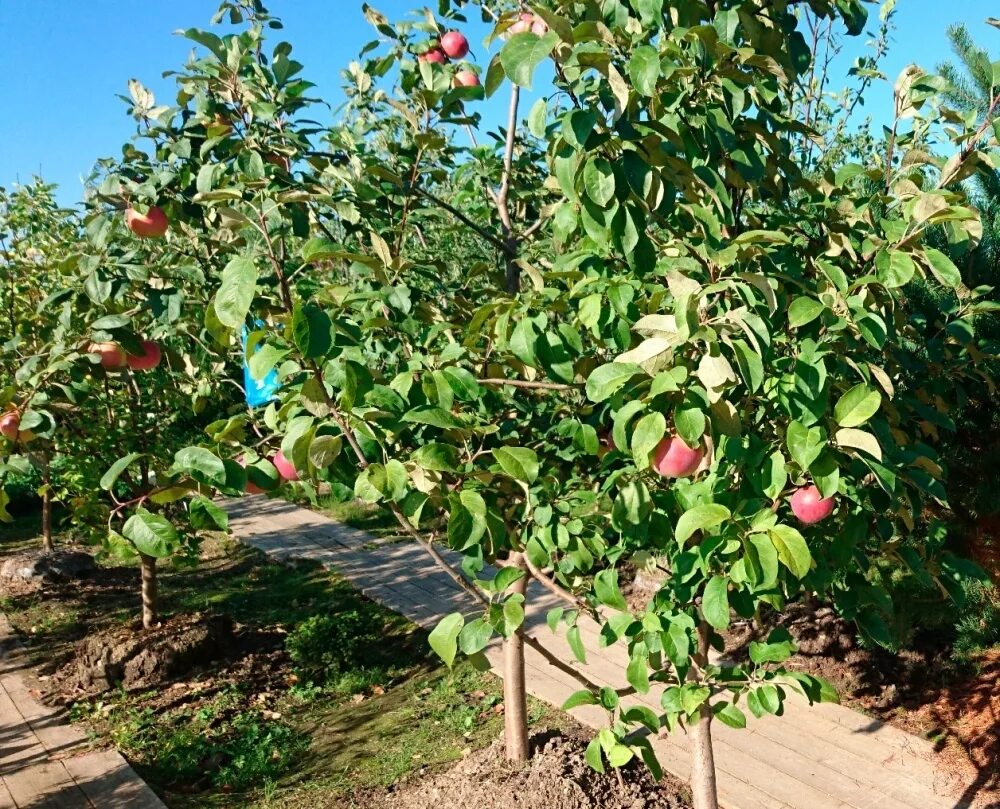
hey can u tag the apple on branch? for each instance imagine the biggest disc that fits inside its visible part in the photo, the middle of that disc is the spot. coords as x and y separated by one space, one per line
151 225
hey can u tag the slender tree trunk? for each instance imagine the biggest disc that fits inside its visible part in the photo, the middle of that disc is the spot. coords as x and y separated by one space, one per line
150 599
47 545
515 699
703 787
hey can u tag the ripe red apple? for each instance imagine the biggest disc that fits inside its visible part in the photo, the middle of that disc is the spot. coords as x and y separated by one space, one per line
435 55
455 45
284 467
9 424
466 78
675 459
112 355
149 358
151 225
809 506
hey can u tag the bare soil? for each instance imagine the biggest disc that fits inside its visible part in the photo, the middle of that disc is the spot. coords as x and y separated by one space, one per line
556 777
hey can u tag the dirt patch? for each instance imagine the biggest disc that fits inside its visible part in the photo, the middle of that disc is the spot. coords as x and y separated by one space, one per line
556 777
129 658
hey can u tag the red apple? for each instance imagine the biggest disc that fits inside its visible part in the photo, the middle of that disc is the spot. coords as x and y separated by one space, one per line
809 506
284 467
436 55
112 355
149 358
466 78
151 225
675 459
9 424
455 45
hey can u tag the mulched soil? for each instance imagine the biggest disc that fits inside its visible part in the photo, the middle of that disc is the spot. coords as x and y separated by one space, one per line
556 777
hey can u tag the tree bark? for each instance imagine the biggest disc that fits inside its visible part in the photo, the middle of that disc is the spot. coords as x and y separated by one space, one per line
47 544
704 791
150 597
515 699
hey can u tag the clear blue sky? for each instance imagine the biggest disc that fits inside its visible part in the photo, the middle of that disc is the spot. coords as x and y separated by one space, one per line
64 62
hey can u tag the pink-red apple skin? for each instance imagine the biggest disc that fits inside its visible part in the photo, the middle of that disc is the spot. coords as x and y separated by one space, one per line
10 422
455 45
466 78
112 355
437 56
151 225
809 506
148 360
675 459
284 467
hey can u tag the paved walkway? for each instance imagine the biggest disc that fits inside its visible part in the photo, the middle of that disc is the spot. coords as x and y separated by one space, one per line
44 762
824 757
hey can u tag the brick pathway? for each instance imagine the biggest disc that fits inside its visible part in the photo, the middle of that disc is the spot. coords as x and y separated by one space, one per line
44 762
824 757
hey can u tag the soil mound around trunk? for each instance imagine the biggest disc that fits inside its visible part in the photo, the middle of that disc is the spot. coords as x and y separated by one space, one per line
122 657
556 777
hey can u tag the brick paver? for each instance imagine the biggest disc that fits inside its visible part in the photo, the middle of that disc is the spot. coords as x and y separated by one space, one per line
45 763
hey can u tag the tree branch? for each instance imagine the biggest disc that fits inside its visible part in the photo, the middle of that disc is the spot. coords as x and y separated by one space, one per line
524 383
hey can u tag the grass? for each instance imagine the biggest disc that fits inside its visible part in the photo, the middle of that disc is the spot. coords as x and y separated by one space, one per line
320 731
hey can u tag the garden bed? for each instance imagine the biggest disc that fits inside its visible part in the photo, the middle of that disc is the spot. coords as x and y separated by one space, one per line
217 707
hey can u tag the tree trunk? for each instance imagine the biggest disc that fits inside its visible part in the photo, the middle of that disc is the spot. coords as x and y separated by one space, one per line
47 545
515 699
704 791
150 600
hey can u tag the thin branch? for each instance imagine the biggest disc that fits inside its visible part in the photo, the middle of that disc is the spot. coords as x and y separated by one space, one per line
523 383
491 238
553 587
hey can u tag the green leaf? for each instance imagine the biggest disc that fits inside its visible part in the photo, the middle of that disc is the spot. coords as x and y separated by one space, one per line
856 406
436 457
715 602
311 330
620 755
520 463
804 310
523 53
475 636
599 181
201 464
729 714
467 520
644 70
578 698
114 472
593 755
206 516
644 715
648 433
444 637
775 476
151 534
637 674
793 552
943 268
698 518
766 557
236 292
894 268
513 614
607 591
804 444
433 417
576 643
607 379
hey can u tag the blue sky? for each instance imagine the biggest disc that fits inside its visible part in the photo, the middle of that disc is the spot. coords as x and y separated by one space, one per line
63 64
